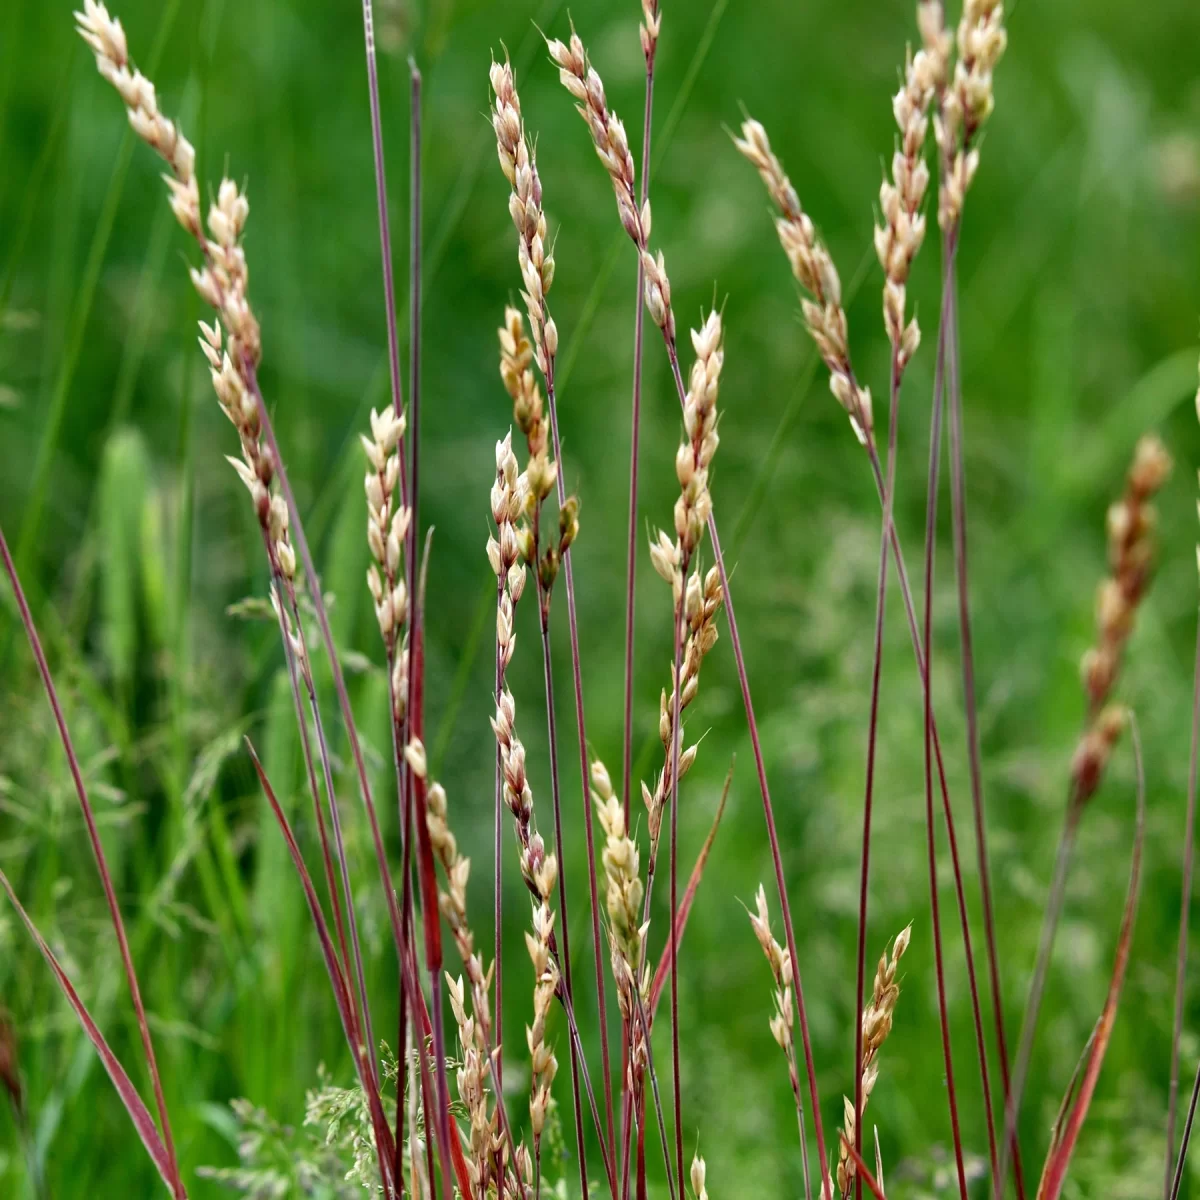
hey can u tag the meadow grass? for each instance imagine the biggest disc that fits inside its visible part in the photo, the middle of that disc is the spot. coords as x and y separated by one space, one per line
148 662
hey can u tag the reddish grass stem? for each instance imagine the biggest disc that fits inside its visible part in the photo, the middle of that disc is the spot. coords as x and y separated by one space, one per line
172 1175
339 680
768 809
552 734
359 1052
385 235
958 498
872 743
951 836
639 328
674 869
581 733
935 442
302 723
1184 913
1053 911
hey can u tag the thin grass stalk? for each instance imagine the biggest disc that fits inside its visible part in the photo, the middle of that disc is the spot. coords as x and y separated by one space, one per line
1053 911
385 234
314 788
556 801
497 872
958 496
1185 1140
172 1175
393 339
768 813
649 49
347 713
935 442
588 816
139 1114
872 744
1184 913
676 737
339 982
658 1108
305 667
412 499
426 870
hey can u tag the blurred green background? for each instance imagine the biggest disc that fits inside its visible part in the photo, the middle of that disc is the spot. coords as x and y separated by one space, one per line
1080 269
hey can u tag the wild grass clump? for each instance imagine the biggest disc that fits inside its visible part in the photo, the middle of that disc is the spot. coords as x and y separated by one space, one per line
436 1118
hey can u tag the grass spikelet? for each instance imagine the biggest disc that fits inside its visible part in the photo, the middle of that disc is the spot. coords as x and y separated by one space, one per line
814 270
783 1021
876 1025
1131 523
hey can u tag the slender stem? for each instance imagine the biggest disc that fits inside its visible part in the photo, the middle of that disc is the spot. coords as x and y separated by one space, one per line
1187 1136
674 868
581 733
639 329
1184 912
412 498
385 234
768 810
498 880
110 895
314 788
323 754
943 786
872 744
340 983
322 614
935 442
1053 911
959 514
662 1126
794 1073
547 670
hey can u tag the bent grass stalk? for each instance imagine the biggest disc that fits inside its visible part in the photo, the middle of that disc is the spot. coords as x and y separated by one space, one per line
164 1151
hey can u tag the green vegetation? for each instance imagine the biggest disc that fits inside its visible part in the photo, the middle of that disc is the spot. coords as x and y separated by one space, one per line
1080 289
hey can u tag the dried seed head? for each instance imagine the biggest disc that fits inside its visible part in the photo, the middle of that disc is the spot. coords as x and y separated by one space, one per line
1130 525
876 1025
815 272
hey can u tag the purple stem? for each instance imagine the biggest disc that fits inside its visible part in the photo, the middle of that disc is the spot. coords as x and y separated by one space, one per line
674 871
768 810
959 514
581 1149
385 234
362 1015
581 733
172 1176
631 552
362 1060
138 1112
872 743
335 819
935 442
